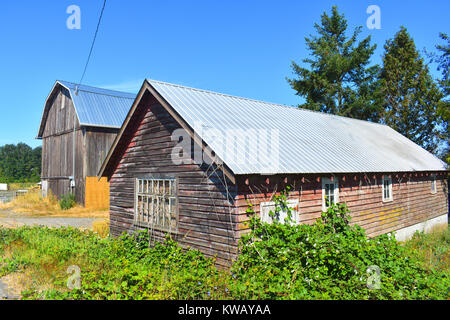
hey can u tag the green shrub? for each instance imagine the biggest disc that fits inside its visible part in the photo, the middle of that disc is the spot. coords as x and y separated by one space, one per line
328 260
67 201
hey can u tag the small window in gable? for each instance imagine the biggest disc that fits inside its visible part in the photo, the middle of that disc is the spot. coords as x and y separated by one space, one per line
266 207
387 188
433 184
63 101
330 192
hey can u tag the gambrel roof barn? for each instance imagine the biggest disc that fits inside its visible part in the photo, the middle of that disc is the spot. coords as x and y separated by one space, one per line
78 126
238 150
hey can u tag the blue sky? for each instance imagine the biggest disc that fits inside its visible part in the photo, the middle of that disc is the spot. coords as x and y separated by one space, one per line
242 48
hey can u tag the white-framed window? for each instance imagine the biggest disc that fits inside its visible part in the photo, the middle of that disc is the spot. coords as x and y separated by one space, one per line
156 203
386 182
330 192
266 207
433 184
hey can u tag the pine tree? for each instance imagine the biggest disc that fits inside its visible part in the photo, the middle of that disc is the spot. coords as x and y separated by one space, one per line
338 80
443 109
410 95
444 63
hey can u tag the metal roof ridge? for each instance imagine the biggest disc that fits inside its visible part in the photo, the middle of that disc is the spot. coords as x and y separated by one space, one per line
218 93
261 101
103 94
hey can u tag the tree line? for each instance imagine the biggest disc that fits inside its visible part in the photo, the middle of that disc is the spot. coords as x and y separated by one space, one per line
338 78
20 163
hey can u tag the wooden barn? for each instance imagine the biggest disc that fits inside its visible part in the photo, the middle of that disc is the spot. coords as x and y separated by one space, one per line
187 162
78 126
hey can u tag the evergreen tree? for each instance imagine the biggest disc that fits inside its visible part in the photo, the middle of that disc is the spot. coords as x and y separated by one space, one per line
410 95
443 110
444 63
338 79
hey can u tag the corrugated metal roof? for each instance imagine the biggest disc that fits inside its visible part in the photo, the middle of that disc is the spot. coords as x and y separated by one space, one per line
309 142
99 107
95 107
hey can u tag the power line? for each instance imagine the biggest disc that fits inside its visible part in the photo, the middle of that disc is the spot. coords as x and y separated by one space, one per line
92 46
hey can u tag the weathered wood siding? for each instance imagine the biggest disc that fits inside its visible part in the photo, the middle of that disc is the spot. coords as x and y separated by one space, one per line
57 145
91 147
206 212
97 142
412 202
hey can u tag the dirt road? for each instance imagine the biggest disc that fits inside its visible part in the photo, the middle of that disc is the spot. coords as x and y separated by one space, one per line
10 219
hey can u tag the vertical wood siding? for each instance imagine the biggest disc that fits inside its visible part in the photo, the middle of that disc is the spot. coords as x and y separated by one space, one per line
57 143
98 141
92 146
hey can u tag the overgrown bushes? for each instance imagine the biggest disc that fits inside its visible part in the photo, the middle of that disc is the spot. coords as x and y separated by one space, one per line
328 260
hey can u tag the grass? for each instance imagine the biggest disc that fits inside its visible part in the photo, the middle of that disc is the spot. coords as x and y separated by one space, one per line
38 258
101 228
35 261
23 186
32 203
433 248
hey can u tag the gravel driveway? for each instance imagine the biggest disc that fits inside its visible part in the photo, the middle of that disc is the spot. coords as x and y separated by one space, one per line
9 219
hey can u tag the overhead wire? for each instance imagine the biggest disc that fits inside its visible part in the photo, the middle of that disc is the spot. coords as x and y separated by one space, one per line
92 47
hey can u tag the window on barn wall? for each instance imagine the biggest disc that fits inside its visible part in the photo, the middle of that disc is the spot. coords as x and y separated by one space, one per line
266 207
387 188
330 192
63 101
433 184
156 204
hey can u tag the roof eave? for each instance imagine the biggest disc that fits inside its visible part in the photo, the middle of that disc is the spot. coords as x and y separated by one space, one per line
105 163
41 125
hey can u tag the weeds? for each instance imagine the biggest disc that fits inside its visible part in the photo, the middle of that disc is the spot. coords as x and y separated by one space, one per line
32 201
101 228
123 268
433 248
327 260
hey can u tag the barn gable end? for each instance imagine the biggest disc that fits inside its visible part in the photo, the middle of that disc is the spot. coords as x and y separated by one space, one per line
59 128
146 152
73 149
